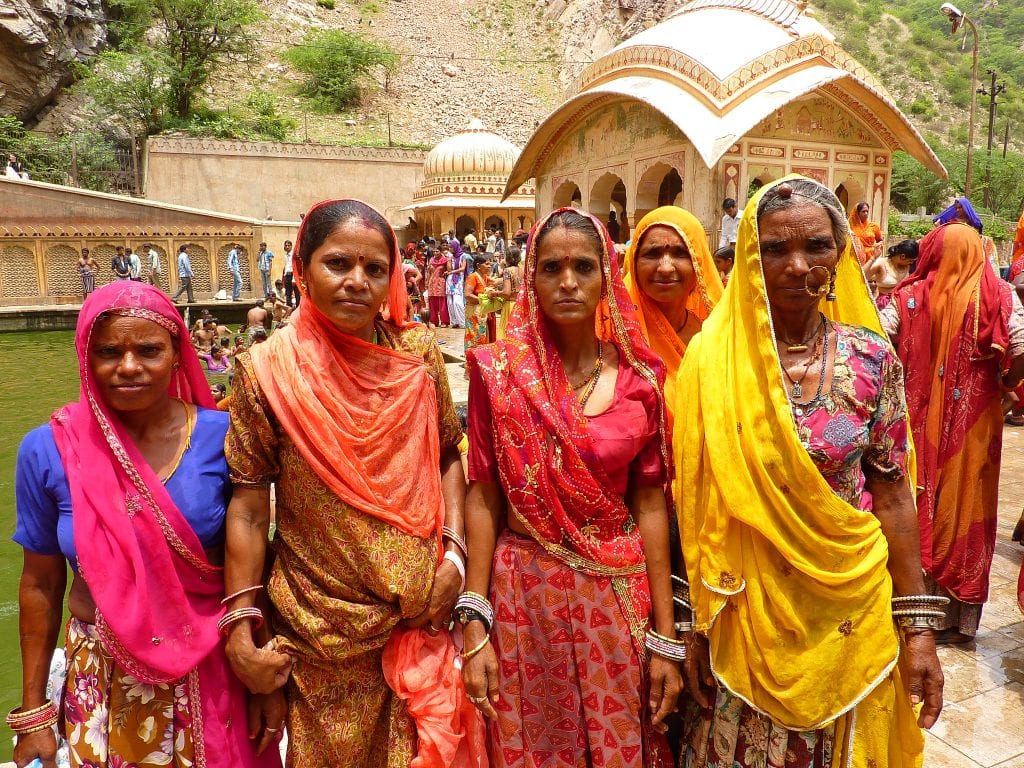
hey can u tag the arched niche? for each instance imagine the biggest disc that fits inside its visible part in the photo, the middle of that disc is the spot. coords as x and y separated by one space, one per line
567 195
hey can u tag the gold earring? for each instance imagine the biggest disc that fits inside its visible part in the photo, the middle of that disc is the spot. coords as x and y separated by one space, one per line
831 295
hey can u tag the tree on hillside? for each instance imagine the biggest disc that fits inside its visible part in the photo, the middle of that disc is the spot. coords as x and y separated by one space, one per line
187 40
338 65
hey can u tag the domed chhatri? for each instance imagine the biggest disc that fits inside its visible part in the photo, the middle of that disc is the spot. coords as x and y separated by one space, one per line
463 180
718 99
476 154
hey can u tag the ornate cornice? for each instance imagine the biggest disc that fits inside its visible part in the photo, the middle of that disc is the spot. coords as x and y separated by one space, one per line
114 232
188 145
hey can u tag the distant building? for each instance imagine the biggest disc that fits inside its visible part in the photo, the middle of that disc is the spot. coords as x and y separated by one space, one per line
715 101
464 178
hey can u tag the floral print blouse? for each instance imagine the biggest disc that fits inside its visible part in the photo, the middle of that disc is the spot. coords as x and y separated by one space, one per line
858 426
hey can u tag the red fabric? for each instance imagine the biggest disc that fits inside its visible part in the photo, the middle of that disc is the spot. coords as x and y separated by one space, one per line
584 706
546 452
627 434
144 565
954 314
1015 269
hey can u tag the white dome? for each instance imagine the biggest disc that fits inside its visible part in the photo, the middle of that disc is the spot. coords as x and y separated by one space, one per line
476 154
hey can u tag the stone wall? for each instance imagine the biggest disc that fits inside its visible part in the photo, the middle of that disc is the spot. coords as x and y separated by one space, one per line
277 181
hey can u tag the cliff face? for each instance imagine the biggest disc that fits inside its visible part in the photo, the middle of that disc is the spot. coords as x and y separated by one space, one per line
38 41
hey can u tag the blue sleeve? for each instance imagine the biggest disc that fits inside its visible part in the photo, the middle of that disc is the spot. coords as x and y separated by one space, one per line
38 484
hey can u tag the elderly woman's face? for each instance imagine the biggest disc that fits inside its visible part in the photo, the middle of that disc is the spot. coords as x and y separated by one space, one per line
664 267
132 361
798 251
568 277
348 276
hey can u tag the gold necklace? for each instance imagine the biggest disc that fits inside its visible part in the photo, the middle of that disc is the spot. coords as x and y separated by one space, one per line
189 425
594 372
801 346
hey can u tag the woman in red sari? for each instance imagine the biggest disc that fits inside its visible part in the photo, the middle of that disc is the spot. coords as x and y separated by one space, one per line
566 519
957 327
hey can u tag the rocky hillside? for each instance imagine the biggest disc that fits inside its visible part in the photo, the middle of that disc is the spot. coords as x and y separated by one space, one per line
507 61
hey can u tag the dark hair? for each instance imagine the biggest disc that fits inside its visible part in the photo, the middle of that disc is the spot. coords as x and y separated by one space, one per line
220 386
862 204
574 221
512 257
239 339
326 219
728 203
905 248
182 249
214 349
479 261
807 191
726 252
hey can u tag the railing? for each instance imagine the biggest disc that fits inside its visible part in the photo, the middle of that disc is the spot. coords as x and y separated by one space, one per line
87 160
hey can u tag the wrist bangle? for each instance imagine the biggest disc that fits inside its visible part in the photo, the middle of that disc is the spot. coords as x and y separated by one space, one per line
240 592
456 559
33 720
460 542
666 647
239 614
480 605
467 655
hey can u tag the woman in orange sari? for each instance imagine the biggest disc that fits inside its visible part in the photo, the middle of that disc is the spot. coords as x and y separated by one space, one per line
957 327
673 282
866 234
347 412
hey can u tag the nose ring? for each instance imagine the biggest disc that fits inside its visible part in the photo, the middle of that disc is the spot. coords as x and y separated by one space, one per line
822 289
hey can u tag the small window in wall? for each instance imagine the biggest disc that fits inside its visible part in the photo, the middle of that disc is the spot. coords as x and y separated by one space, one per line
671 189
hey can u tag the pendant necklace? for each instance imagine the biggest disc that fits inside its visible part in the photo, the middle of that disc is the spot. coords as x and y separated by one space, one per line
591 381
797 390
801 346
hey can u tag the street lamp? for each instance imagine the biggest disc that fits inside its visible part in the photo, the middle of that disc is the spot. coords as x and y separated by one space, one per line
957 19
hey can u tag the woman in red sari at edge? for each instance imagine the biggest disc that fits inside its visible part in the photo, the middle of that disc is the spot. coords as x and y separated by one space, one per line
566 519
129 485
959 332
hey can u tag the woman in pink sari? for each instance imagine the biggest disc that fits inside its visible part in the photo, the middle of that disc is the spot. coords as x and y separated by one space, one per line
130 486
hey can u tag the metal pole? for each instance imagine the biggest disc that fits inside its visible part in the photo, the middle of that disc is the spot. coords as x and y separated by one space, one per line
991 92
974 109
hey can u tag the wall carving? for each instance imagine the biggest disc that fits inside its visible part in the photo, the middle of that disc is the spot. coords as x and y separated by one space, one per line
61 266
18 272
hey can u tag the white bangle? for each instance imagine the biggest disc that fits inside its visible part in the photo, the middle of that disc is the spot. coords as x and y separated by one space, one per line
456 559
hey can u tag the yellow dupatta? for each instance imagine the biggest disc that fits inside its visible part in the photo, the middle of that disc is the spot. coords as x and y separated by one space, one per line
788 581
660 334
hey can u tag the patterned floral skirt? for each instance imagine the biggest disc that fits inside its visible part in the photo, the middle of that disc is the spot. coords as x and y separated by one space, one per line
570 679
735 736
111 719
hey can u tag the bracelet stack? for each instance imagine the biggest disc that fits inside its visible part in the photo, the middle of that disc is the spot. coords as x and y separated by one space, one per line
450 534
241 592
239 614
467 655
666 647
681 593
474 607
32 720
919 611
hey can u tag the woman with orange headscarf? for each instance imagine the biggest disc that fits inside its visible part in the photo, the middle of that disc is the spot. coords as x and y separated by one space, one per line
347 412
673 282
866 234
957 327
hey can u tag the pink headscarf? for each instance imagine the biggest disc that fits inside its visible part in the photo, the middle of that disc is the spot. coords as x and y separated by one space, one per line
157 596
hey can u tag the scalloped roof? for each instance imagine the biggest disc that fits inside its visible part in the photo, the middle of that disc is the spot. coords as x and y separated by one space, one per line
716 68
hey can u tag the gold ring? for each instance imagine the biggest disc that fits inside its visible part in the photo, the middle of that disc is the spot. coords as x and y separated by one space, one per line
477 699
268 729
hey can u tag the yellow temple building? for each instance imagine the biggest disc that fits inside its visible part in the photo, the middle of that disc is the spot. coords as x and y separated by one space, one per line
718 99
465 179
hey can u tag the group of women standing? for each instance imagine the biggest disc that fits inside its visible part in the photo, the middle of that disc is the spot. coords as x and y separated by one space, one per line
679 500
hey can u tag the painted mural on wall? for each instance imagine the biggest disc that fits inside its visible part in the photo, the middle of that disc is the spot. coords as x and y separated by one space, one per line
614 130
817 118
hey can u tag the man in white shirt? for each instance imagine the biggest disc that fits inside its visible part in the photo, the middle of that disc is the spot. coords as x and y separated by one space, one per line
136 265
153 263
730 223
290 288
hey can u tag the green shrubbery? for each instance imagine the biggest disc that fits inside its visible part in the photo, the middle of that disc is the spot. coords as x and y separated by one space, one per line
338 66
88 157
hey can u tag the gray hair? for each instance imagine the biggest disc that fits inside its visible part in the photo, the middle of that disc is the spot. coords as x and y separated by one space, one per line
812 192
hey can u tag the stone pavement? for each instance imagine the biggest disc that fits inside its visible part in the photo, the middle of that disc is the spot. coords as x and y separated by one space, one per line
982 722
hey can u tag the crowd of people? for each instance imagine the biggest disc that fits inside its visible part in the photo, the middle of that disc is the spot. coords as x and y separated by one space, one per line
720 509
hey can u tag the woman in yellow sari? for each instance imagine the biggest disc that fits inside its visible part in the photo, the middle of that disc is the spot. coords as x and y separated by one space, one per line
798 527
673 282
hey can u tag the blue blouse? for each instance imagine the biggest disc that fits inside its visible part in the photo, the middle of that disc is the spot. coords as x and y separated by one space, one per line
200 487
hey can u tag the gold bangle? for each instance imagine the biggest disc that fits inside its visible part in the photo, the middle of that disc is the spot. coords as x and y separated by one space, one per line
467 655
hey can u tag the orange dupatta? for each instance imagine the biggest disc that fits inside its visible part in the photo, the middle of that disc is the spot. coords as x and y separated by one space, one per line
655 327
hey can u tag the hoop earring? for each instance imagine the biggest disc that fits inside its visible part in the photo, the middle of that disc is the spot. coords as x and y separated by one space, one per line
831 295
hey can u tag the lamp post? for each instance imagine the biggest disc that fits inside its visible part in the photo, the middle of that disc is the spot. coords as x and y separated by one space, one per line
992 92
957 19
